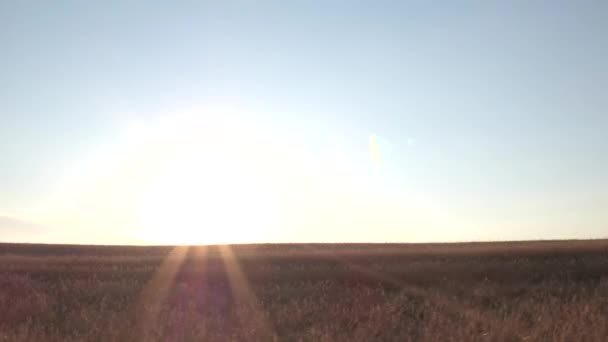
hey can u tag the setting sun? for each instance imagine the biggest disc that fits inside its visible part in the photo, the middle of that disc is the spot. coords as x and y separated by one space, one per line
205 201
198 182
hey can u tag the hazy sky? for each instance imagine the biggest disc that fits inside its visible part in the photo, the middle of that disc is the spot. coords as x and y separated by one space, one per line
266 121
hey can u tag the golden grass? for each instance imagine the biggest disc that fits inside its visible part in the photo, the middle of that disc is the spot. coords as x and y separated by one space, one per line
513 291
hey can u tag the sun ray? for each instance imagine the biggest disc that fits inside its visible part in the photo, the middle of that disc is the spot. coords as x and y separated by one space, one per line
253 318
151 298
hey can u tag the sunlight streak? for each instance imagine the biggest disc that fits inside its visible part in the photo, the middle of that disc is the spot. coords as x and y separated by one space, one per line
253 318
151 298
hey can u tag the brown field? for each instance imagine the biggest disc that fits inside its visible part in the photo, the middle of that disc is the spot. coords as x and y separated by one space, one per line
515 291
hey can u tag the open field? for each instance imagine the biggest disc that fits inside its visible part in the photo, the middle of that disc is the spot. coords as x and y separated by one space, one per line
524 291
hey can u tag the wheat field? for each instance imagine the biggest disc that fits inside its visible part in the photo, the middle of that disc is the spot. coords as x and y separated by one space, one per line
508 291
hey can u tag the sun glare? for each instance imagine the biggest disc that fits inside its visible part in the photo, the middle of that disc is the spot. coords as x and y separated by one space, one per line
206 195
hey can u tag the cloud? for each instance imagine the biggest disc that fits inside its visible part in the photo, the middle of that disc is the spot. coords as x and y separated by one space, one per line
12 225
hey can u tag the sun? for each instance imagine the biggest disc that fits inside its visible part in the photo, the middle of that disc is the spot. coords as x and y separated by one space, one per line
205 202
206 188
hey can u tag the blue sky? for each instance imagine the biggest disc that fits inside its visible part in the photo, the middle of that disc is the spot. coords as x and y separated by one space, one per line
490 119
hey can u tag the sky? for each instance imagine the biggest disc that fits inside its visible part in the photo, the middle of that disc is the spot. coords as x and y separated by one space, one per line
149 122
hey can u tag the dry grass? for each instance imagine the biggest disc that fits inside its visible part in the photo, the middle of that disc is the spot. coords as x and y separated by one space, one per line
526 291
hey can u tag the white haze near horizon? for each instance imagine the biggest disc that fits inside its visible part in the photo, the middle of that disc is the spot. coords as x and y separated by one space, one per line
151 122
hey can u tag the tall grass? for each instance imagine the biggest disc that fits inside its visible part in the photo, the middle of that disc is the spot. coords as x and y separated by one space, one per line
526 291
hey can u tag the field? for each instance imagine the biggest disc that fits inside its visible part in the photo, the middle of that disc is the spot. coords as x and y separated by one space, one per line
514 291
